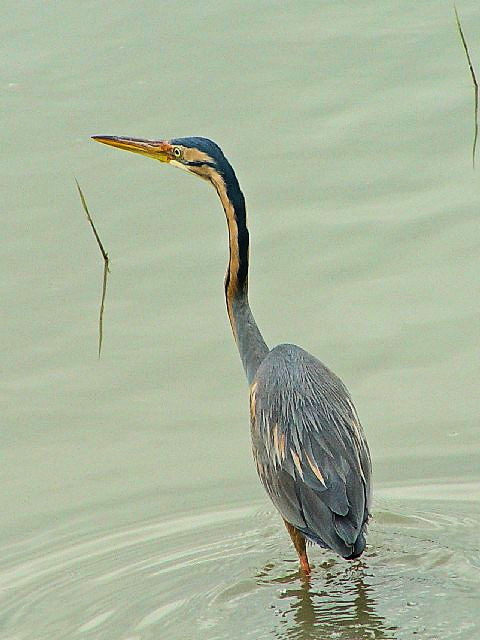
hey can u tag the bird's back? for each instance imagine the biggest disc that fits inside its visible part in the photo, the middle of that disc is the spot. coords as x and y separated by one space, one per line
310 449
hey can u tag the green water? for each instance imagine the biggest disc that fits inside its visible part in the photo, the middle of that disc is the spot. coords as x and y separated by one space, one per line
130 506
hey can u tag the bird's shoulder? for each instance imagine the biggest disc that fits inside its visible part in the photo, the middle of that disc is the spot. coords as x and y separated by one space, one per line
288 371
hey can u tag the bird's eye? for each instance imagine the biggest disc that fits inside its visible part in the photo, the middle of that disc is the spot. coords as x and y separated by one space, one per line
177 152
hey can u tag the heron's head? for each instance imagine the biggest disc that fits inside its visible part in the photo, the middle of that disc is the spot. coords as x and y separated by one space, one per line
199 156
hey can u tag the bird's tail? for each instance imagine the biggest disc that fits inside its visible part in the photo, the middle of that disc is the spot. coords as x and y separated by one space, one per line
358 547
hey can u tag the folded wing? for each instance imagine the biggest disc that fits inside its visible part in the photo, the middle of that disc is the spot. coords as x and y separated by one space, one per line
310 449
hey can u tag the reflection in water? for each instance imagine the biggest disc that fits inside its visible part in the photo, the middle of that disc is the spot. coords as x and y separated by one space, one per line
336 601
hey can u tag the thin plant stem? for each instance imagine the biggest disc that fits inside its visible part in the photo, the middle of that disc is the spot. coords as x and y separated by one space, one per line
475 84
106 269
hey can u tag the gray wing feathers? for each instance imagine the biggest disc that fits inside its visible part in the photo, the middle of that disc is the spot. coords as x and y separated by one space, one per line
310 449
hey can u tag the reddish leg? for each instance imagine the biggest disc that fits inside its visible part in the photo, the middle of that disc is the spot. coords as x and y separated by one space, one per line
300 547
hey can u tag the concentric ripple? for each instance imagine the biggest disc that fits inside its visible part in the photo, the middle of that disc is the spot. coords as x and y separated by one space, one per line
231 573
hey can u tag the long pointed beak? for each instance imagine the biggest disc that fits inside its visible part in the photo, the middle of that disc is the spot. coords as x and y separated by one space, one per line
157 149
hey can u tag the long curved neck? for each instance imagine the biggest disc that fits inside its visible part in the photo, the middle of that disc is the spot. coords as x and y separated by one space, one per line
250 343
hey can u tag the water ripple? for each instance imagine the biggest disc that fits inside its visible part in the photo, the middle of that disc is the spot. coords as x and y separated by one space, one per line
232 573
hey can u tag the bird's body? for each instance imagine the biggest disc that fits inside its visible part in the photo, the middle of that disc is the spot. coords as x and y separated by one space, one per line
310 450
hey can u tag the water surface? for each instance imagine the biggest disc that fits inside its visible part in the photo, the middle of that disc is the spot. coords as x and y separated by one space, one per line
131 508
